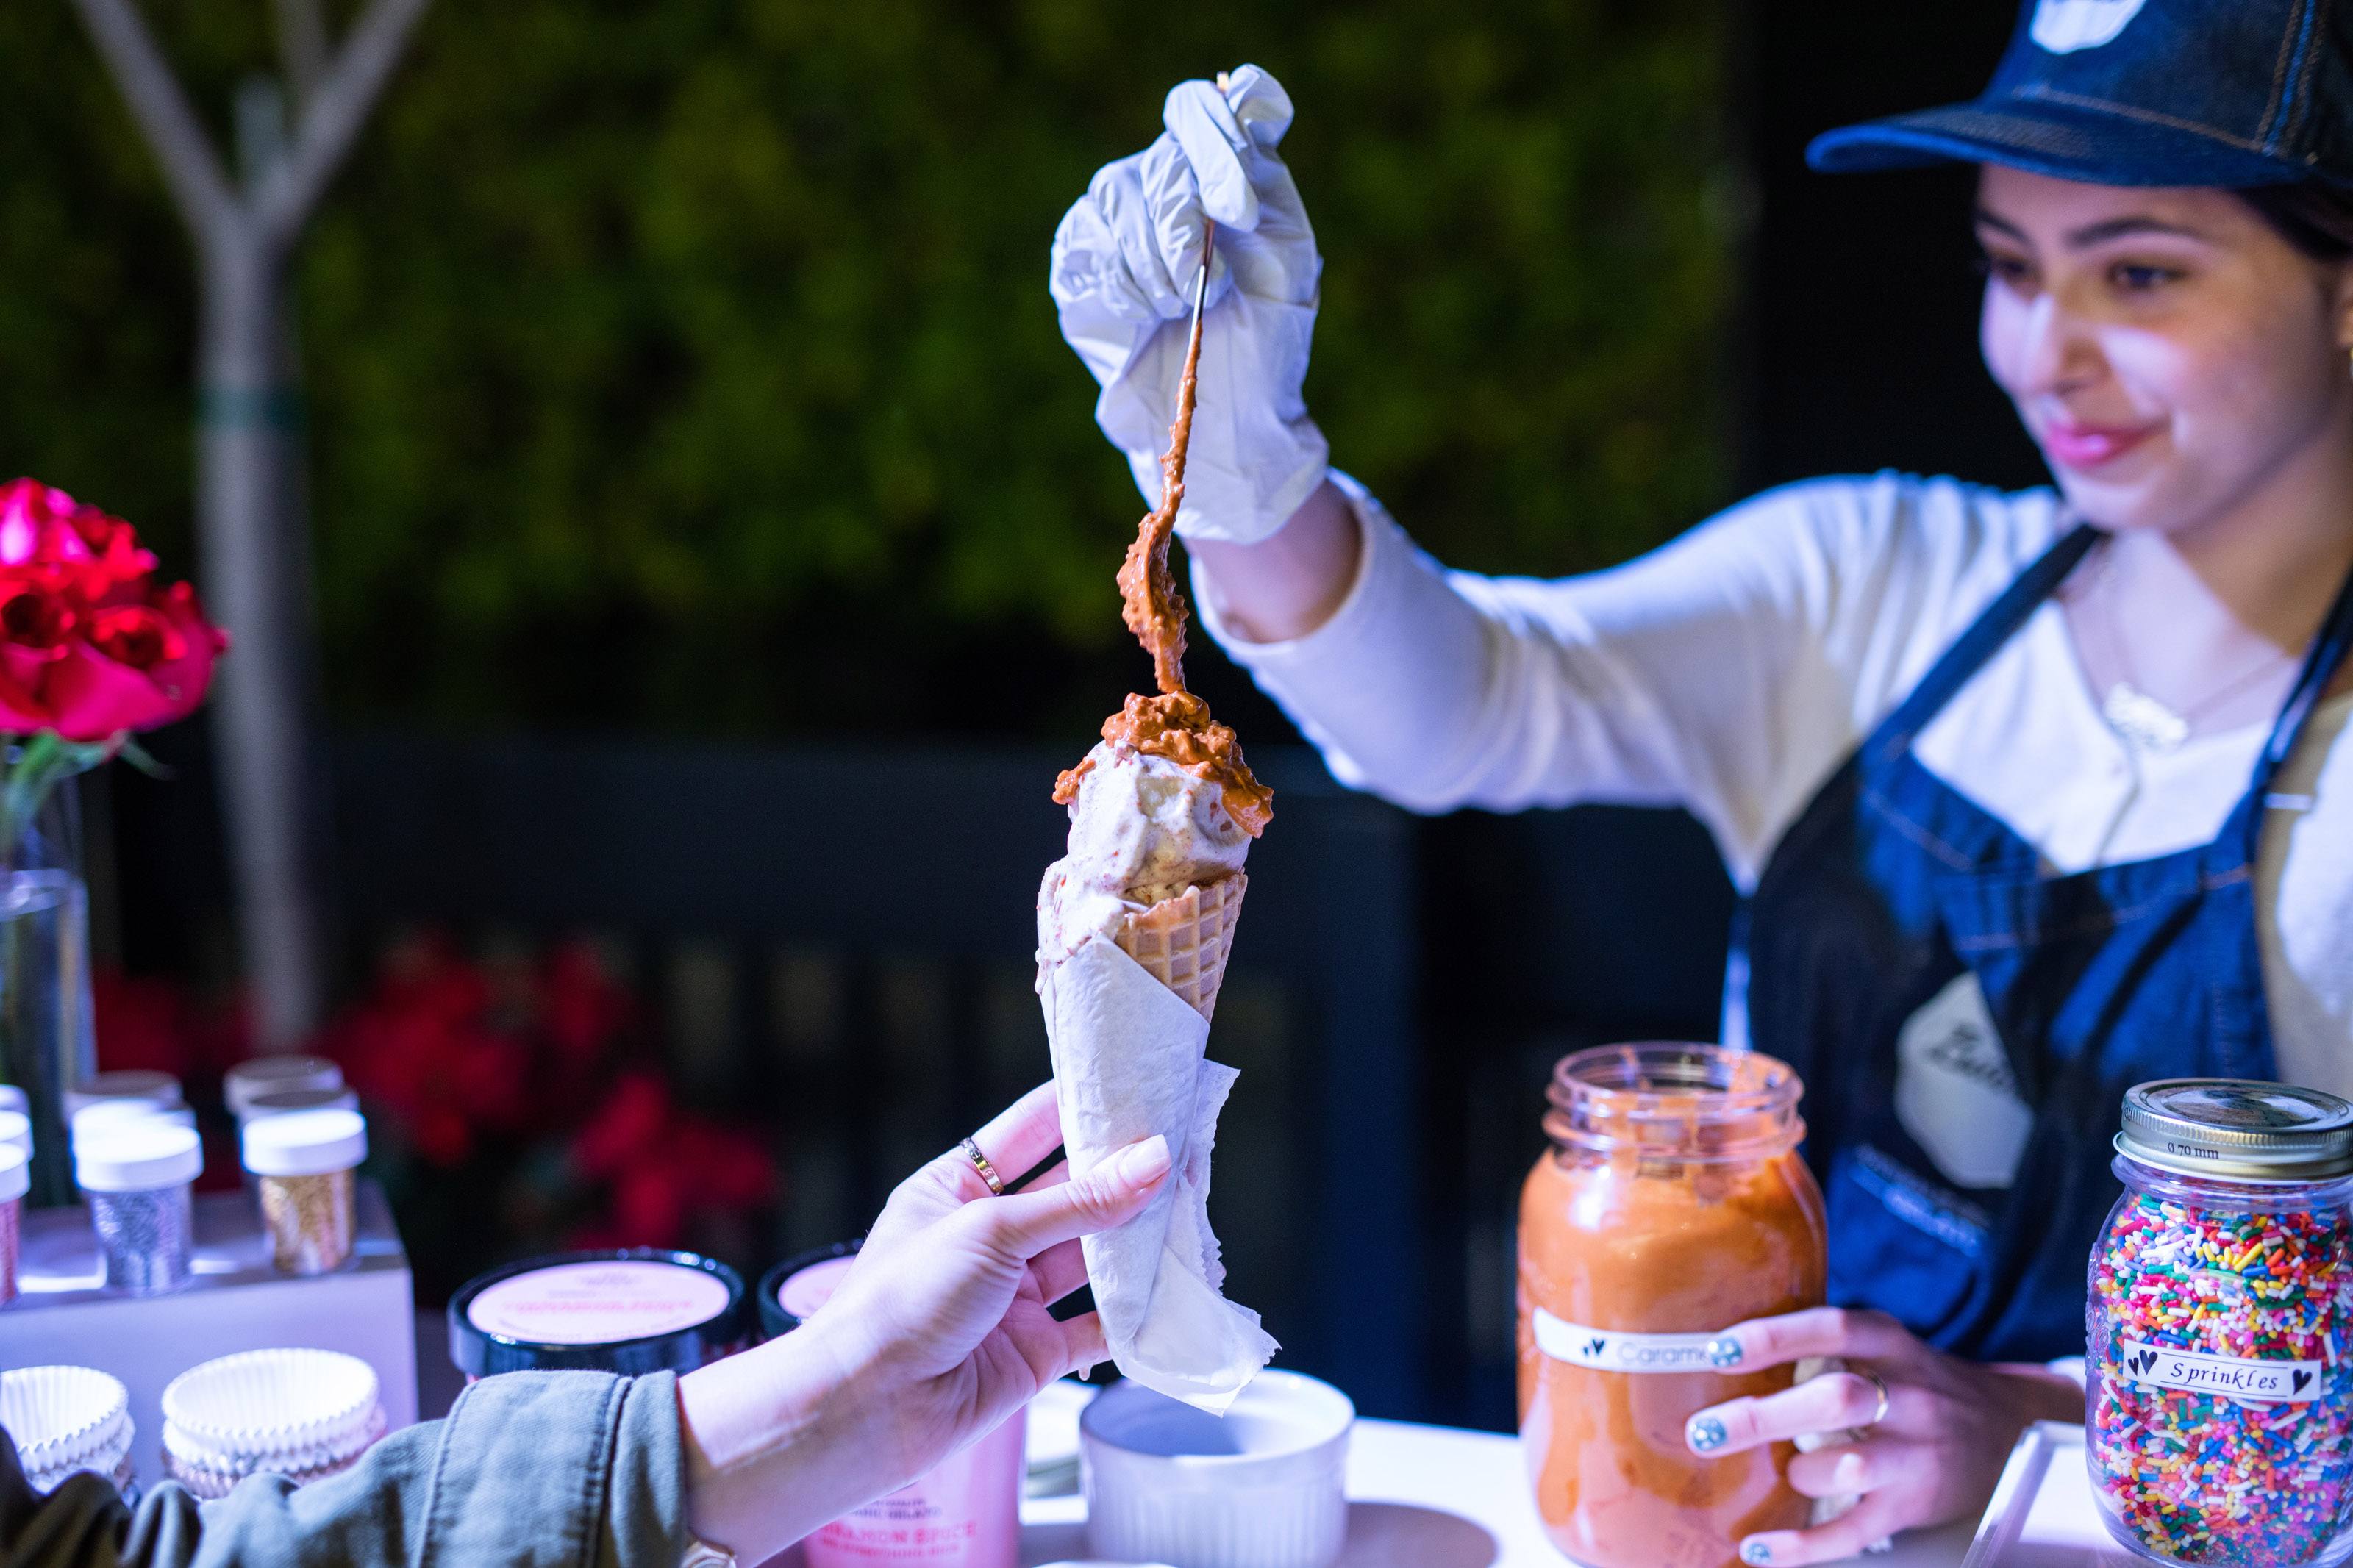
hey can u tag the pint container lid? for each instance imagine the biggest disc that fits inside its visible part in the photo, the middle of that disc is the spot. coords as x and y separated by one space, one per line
2238 1130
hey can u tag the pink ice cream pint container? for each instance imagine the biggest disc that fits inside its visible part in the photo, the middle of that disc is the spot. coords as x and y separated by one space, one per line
967 1514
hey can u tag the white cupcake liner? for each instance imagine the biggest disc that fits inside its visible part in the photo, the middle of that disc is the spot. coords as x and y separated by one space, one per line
64 1419
277 1410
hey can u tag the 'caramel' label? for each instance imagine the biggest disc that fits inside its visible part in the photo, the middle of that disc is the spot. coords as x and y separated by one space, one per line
1615 1350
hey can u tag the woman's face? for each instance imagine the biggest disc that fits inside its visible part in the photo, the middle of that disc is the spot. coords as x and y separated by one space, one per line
2171 352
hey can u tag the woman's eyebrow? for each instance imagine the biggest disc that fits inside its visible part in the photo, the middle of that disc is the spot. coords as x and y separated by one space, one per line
2093 233
2108 230
1992 220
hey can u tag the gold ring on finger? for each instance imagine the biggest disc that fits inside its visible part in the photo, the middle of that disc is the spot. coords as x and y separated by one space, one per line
997 1190
1880 1383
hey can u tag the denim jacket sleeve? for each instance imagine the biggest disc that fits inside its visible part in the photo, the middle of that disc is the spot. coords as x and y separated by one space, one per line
573 1469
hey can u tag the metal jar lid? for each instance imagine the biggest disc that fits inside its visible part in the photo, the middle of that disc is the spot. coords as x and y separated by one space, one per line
2238 1128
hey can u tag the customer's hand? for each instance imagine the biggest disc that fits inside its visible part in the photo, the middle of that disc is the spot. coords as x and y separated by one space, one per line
1932 1455
1124 263
938 1332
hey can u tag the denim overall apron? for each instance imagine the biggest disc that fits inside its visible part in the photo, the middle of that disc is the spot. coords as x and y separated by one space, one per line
1891 884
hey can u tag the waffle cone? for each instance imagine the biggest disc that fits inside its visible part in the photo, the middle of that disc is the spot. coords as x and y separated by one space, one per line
1185 940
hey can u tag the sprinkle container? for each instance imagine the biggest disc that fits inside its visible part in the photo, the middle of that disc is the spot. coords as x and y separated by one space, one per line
305 1161
15 1131
155 1088
257 1076
632 1310
304 1414
280 1102
2219 1398
15 1180
67 1419
136 1180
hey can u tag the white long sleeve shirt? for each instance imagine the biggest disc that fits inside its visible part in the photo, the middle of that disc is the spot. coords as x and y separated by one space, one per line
1732 672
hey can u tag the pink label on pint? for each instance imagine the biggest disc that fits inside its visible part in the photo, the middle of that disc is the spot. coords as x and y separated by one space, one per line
598 1303
813 1287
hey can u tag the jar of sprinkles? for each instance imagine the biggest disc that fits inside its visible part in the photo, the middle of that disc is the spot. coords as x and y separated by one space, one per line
136 1178
15 1180
304 1161
2220 1392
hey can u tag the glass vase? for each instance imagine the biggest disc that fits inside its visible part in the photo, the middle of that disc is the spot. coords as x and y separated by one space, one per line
47 1043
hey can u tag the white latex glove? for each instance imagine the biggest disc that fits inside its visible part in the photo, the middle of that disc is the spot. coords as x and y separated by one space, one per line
1125 260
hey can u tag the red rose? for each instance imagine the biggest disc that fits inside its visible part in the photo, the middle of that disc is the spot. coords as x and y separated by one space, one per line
91 645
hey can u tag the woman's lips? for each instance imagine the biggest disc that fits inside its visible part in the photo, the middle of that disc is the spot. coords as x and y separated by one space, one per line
2081 446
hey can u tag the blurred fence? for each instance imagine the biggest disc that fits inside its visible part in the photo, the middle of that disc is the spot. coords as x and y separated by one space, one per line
840 944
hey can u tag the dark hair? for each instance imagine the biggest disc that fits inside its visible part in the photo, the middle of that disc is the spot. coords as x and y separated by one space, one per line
2314 215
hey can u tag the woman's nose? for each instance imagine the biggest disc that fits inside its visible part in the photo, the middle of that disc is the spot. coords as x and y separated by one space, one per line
2058 351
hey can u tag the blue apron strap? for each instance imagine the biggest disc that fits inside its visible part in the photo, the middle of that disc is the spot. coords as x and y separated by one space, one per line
1990 630
2329 646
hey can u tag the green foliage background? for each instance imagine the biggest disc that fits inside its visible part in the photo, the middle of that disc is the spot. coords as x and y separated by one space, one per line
689 364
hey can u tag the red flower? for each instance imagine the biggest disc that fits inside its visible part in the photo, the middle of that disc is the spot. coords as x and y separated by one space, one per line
91 645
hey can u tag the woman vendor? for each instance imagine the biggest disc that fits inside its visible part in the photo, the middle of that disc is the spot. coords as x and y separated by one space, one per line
2030 796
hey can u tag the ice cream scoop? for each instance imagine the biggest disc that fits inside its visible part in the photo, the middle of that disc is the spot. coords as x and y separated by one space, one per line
1142 829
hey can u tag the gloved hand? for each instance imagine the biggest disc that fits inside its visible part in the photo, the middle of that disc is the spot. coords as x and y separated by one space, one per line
1125 260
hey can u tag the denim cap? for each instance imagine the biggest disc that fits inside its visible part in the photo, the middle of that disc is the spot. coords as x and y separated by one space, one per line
2144 92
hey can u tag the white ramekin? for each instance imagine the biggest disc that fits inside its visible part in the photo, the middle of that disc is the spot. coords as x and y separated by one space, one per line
1263 1486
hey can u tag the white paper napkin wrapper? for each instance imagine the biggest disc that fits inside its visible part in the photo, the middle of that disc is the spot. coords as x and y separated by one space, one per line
1128 1063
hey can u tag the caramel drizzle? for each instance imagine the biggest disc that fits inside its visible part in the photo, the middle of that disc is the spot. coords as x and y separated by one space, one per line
1150 602
1175 724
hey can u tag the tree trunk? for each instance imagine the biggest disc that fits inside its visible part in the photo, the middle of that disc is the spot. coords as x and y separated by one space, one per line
248 463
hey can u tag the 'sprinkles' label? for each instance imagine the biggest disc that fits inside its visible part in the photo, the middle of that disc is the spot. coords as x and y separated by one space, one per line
2160 1366
1613 1349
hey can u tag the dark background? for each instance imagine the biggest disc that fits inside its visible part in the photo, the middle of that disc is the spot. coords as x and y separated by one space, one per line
1834 331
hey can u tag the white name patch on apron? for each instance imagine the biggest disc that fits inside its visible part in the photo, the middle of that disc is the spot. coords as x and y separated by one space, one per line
2063 26
1613 1349
1954 1093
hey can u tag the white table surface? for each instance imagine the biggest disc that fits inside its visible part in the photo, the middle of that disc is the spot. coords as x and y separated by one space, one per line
1437 1497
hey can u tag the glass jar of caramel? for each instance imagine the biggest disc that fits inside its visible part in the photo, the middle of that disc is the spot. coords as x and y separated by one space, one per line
1671 1205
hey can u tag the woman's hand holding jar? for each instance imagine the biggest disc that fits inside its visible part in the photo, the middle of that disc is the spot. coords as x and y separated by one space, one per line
1921 1435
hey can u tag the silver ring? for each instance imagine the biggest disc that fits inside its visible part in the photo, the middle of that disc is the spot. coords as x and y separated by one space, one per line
997 1190
1880 1383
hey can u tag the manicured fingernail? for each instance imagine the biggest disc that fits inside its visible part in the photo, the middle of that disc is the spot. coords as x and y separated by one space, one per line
1141 1165
1723 1351
1848 1478
1705 1433
1756 1551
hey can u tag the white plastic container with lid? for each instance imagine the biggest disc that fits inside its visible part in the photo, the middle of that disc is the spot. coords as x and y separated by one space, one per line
101 1114
136 1178
15 1180
304 1160
156 1087
243 1083
15 1130
67 1419
279 1102
304 1414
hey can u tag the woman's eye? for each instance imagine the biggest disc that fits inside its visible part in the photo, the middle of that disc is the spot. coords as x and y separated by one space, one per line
2009 270
2138 278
